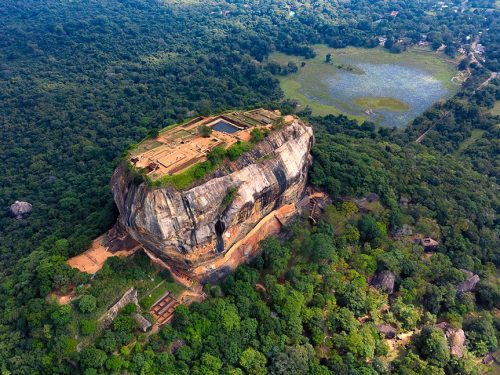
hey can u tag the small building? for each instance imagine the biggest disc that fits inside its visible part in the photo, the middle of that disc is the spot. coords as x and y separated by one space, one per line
152 167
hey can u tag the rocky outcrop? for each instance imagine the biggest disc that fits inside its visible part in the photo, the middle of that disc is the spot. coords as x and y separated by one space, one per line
195 231
384 280
469 284
455 337
388 331
19 209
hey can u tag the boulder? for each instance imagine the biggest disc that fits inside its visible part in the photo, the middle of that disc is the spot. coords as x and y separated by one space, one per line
455 337
372 197
469 284
388 331
429 244
19 209
456 340
384 280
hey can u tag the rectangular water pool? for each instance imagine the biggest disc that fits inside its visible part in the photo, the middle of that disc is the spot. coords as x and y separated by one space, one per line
225 127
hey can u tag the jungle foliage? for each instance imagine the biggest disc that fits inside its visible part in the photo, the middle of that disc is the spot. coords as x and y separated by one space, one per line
80 81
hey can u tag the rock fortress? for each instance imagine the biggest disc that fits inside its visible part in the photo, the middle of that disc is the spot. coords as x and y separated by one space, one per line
203 229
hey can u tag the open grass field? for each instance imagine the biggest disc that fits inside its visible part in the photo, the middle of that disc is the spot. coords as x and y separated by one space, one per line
475 135
496 109
396 86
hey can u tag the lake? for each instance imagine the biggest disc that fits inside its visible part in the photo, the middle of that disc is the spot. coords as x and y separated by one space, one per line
388 89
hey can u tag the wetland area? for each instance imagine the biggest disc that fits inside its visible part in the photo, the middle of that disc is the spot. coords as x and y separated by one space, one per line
389 89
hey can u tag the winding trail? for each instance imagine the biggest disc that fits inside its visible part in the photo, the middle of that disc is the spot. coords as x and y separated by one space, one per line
493 75
421 138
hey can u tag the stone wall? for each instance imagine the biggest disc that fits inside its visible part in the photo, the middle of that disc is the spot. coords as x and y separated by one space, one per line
130 296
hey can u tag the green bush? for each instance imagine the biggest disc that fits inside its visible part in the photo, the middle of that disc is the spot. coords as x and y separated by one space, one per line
87 304
204 131
236 150
228 198
88 326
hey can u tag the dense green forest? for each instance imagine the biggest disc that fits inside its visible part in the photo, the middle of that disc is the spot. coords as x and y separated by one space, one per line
80 81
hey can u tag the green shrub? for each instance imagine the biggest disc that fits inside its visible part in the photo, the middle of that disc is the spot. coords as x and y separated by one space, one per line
204 131
88 326
236 150
87 304
153 133
228 199
129 309
258 135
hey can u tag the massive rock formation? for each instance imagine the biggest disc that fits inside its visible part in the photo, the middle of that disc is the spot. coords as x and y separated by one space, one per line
197 233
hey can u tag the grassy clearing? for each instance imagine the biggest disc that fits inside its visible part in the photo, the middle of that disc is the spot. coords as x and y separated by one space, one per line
475 135
496 109
165 286
314 72
184 179
390 104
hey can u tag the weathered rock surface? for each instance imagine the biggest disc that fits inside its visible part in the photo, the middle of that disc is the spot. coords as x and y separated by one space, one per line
387 330
192 228
384 280
469 284
20 209
455 337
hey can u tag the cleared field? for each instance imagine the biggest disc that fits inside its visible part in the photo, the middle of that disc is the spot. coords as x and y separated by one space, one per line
397 87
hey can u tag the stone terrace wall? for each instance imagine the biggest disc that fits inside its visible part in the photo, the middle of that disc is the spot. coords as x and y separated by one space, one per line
130 296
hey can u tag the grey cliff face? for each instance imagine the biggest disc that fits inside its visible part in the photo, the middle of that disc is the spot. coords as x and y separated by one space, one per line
190 228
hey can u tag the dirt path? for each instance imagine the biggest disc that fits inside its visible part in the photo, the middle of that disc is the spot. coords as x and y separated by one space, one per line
397 345
493 75
421 138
